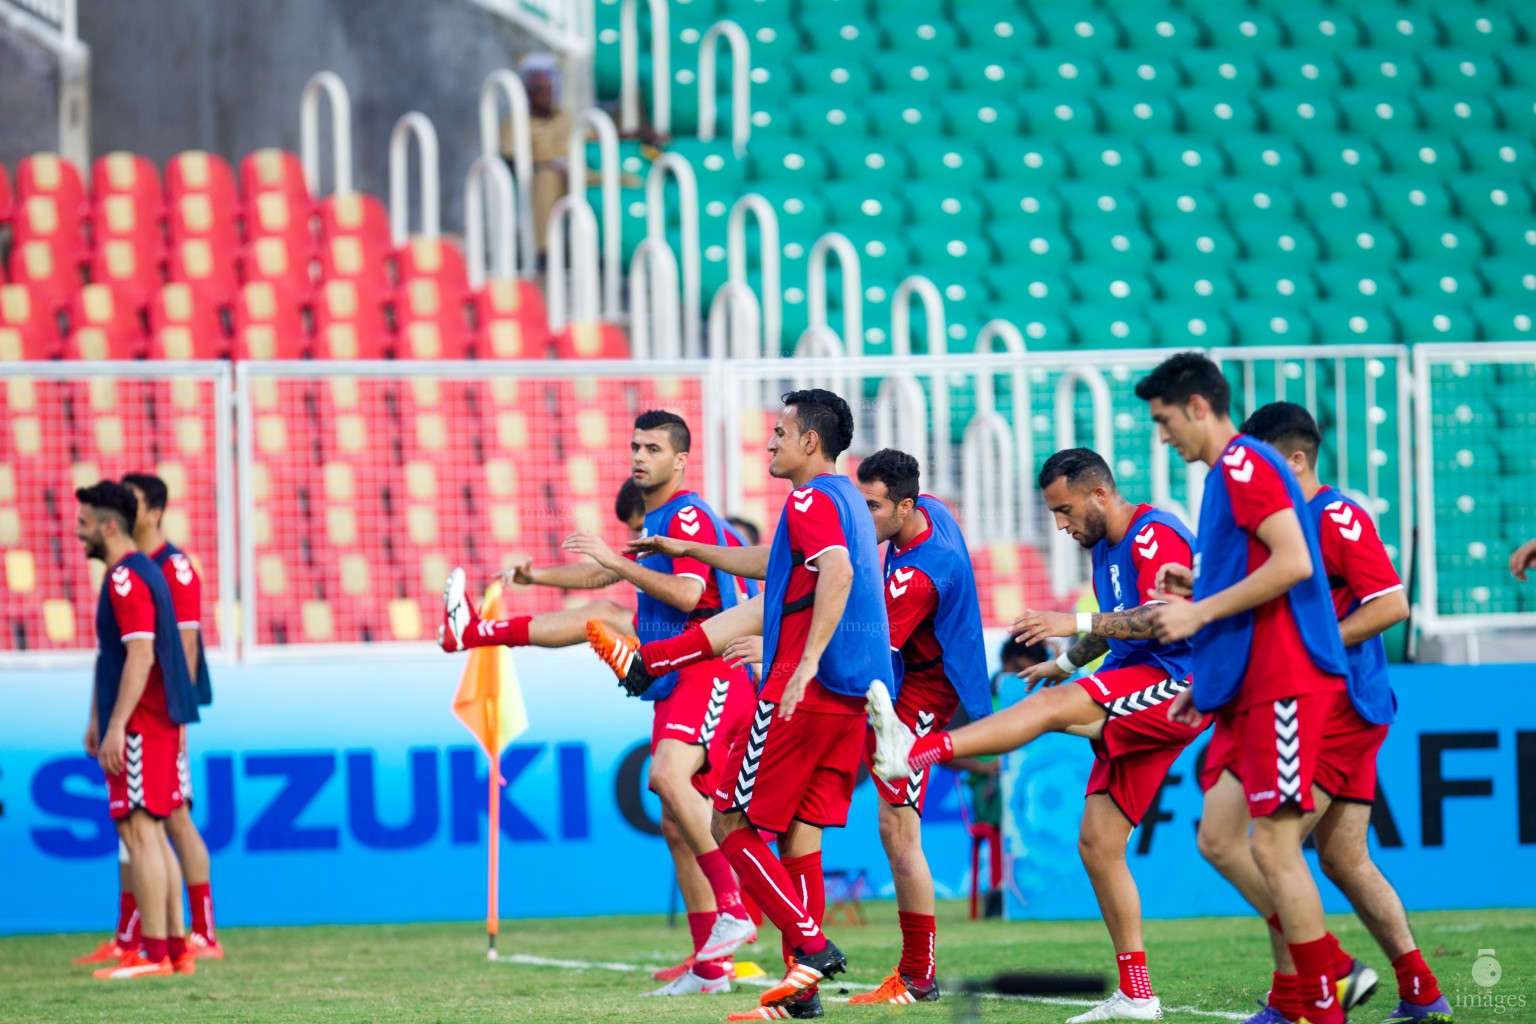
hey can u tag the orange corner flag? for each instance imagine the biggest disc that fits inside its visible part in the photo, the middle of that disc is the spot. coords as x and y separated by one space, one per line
489 700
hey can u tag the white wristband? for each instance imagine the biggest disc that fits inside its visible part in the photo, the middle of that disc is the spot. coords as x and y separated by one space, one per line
1065 663
1085 622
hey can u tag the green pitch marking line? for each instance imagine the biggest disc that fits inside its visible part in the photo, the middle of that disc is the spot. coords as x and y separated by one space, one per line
600 965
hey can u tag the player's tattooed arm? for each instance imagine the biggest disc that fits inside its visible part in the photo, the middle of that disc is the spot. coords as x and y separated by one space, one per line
1088 648
1132 624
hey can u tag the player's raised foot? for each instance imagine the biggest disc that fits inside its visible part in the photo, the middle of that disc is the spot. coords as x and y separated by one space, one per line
456 613
690 984
622 654
802 1007
134 965
109 952
1357 987
893 741
201 947
1268 1015
807 970
1437 1012
675 971
901 990
728 934
1120 1006
185 964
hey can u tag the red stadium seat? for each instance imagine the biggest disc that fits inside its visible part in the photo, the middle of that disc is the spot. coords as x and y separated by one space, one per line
196 172
511 321
48 174
6 200
53 278
198 262
430 321
184 324
104 324
268 323
351 257
349 323
592 340
53 220
276 214
132 268
355 215
272 170
124 217
433 258
198 215
275 258
128 174
28 330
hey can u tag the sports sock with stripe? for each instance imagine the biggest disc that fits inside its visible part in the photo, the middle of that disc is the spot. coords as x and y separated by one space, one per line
717 871
1416 983
769 884
511 632
918 932
663 656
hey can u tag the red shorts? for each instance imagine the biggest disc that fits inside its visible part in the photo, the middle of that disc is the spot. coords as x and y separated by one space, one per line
184 770
921 710
1139 744
709 706
800 768
1280 749
151 779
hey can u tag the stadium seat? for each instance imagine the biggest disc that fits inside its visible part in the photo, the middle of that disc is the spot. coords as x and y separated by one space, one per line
1241 30
1382 71
1138 69
354 258
7 196
128 174
1273 280
1269 322
1504 320
1356 280
1179 324
349 322
1352 322
48 174
511 322
272 170
1080 30
1220 69
194 261
1210 111
268 323
1428 278
276 258
1183 284
50 220
133 270
1436 319
591 340
28 330
1293 112
52 278
197 172
199 215
354 215
430 322
184 324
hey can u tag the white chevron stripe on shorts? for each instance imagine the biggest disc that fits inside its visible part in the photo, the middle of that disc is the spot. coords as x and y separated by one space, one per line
746 779
716 708
133 760
915 779
1287 750
1150 697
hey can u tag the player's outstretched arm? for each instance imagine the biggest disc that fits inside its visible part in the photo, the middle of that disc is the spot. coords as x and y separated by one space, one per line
571 576
1289 562
681 592
834 581
745 563
1131 624
1374 617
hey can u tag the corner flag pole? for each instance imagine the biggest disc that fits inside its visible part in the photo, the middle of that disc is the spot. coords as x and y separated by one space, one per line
492 910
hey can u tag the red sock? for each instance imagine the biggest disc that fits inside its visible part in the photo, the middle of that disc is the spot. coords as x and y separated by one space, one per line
754 912
201 898
710 970
663 656
155 950
718 872
1415 981
930 750
1315 981
810 887
698 927
764 878
511 632
917 935
1284 996
1342 962
176 946
1134 979
1274 922
127 921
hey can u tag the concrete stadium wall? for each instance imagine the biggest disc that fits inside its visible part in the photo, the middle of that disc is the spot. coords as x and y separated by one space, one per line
29 97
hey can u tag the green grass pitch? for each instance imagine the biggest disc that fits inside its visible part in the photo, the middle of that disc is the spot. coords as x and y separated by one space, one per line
439 973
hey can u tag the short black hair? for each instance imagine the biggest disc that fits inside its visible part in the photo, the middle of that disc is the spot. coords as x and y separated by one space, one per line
748 529
677 427
1287 426
1180 377
1015 647
897 470
630 502
819 410
113 499
1079 465
152 487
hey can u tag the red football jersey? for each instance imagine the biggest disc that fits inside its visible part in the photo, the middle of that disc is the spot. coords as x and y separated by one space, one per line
911 601
186 589
134 608
690 524
1358 565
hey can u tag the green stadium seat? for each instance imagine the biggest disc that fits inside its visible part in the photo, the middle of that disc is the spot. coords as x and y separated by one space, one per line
1274 281
1109 327
1320 29
1499 152
1372 244
1330 201
1055 114
1342 156
1136 112
786 160
821 118
935 35
1220 69
1476 27
842 78
1248 200
1184 159
1510 277
1081 30
1504 320
1352 323
1393 27
980 115
911 76
861 204
1373 112
1422 153
1263 158
1197 283
883 255
1485 195
1020 201
1062 71
1134 69
1385 71
1001 71
1436 319
1407 196
898 115
1161 30
1213 111
995 28
1454 111
881 161
1301 69
913 8
801 210
959 253
1519 64
1182 324
1111 286
714 163
833 32
951 161
1007 282
1026 160
1431 279
1240 30
1193 240
1172 200
1517 109
1450 69
1034 246
1112 244
1355 280
1087 200
1104 158
1296 112
1270 322
1045 328
959 209
1512 237
1451 243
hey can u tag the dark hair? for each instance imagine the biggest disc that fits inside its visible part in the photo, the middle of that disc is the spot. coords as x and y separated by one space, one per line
1015 647
113 499
1079 466
819 410
630 502
1287 426
677 427
747 529
152 487
1180 377
897 470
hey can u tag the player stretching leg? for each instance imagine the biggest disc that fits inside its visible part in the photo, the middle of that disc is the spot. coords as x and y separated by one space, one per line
1121 708
142 697
1368 599
825 636
1267 658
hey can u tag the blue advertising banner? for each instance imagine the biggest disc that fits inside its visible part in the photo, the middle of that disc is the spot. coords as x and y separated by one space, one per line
1454 824
345 791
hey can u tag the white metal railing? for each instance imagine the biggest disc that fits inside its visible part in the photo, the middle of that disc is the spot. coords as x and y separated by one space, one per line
677 166
852 336
329 85
559 24
503 83
741 84
54 25
769 263
629 67
654 311
993 449
573 288
596 120
414 125
488 177
943 481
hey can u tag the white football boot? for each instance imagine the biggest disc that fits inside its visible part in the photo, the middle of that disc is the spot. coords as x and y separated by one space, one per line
456 614
728 935
893 741
1120 1006
691 984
